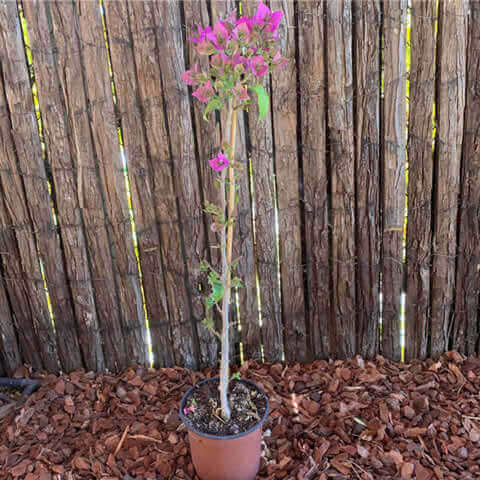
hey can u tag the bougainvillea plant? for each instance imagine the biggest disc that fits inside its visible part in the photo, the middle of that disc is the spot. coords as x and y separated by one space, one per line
240 53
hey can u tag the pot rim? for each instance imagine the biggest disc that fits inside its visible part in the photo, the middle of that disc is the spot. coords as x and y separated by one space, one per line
191 428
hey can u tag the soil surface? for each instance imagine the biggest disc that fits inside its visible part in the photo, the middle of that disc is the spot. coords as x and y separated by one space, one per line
342 420
203 408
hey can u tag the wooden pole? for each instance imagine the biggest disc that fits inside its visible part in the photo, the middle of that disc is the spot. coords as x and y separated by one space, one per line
226 265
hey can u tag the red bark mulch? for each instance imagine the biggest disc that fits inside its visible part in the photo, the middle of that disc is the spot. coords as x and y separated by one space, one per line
351 419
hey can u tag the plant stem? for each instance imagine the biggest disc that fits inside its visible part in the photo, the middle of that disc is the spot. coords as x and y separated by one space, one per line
227 245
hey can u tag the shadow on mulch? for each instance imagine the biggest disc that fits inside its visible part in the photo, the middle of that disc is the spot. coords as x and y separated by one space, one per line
351 419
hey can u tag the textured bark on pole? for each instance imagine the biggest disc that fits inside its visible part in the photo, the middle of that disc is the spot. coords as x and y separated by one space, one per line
285 118
466 334
393 172
366 54
57 133
149 68
9 350
450 106
32 173
341 157
311 63
127 74
420 179
108 349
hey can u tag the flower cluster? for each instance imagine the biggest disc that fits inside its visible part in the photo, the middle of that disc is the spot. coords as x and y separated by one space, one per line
219 163
188 410
240 51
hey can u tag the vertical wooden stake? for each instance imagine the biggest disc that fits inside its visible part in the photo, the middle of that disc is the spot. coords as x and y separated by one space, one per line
226 265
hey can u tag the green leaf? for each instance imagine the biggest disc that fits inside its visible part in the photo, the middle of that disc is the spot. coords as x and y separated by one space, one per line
214 104
217 291
228 84
262 99
236 376
209 302
213 277
208 322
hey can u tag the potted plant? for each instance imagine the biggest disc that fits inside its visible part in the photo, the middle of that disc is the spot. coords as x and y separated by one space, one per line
224 416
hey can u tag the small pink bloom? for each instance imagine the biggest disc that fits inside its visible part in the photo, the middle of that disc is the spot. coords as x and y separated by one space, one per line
240 92
247 20
238 59
189 76
202 34
275 20
189 409
217 60
258 65
220 36
204 47
278 61
262 12
226 59
219 163
242 32
205 92
264 16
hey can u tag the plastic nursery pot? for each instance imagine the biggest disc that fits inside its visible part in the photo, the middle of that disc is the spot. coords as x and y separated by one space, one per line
231 457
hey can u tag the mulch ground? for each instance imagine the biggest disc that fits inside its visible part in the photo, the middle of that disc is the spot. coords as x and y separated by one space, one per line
350 419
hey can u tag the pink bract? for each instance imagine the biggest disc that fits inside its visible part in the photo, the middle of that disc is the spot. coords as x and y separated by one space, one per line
189 76
205 92
217 60
202 33
258 65
247 20
189 409
204 47
264 16
219 163
278 61
220 35
242 32
240 92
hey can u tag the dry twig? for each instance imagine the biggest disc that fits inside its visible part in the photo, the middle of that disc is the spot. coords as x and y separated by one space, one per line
120 443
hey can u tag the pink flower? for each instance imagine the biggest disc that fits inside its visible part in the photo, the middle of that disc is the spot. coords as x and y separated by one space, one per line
264 16
242 32
278 61
189 76
219 163
247 20
258 66
204 47
220 36
202 34
238 59
205 92
217 61
189 409
240 92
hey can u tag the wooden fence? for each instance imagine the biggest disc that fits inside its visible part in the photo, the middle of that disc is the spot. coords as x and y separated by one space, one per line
103 173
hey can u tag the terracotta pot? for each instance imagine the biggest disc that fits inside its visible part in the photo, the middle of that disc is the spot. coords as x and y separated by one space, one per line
231 457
